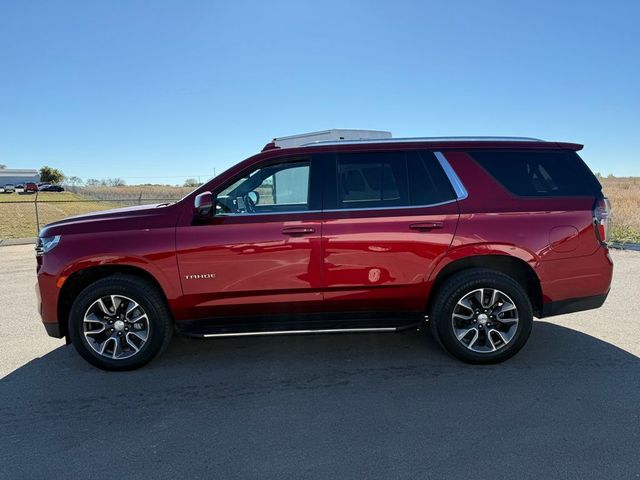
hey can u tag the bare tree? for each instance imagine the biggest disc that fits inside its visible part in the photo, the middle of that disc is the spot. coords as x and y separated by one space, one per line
73 181
115 182
191 182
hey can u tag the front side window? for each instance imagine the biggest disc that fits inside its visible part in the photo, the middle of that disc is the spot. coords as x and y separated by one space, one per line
273 188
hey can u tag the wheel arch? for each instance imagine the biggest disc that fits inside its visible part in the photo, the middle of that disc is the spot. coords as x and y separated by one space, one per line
513 266
80 279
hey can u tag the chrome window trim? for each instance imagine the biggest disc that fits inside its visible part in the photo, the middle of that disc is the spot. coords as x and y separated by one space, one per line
333 210
265 213
456 183
402 207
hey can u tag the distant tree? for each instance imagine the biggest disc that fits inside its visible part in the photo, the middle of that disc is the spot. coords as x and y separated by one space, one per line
191 182
2 166
610 176
92 182
73 181
115 182
598 175
51 175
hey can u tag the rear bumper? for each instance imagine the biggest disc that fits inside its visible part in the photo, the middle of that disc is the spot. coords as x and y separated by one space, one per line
571 305
567 280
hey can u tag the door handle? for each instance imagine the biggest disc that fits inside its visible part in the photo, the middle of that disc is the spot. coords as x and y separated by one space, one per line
296 231
425 226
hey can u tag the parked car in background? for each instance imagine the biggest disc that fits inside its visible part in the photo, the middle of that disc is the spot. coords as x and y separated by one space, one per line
20 186
469 238
9 188
51 188
30 187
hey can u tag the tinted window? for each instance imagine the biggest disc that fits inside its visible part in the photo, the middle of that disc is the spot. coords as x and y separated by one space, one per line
369 180
390 179
539 173
428 184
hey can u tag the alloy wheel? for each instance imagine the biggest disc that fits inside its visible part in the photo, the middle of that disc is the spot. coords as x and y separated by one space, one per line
116 327
485 320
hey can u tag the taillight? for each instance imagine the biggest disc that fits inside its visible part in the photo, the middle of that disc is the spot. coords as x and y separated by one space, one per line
602 218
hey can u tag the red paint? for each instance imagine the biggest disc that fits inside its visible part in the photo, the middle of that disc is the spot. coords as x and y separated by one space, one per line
374 260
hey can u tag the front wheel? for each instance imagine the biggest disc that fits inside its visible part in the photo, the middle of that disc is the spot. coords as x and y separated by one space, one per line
481 316
120 323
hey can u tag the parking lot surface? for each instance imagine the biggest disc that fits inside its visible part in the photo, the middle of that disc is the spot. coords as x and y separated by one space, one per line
333 406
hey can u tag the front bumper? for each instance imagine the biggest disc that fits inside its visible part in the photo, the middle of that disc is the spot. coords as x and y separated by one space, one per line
53 330
49 320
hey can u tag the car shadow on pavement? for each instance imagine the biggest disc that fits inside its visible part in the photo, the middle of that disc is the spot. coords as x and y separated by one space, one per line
341 406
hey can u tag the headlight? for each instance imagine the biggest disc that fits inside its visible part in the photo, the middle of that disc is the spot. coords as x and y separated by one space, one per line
46 244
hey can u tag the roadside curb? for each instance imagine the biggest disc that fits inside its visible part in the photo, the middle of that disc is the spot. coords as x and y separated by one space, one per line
626 246
18 241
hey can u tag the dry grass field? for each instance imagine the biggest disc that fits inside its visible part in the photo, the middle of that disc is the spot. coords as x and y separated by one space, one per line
18 220
18 212
624 193
134 192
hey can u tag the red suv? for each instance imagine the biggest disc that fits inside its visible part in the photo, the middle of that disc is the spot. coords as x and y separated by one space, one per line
472 236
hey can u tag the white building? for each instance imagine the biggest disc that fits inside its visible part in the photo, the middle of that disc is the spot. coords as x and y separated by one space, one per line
18 176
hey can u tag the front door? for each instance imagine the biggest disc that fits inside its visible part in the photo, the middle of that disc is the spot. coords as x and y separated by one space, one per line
388 216
260 253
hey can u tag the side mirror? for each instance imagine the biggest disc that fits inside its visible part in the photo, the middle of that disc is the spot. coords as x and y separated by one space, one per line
254 197
203 205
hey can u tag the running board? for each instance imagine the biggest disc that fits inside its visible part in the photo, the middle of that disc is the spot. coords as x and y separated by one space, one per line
302 332
359 322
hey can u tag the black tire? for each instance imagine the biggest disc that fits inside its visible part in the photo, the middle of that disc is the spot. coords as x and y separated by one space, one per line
461 284
142 292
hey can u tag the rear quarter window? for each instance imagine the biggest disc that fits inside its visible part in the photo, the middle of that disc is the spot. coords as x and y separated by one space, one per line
556 173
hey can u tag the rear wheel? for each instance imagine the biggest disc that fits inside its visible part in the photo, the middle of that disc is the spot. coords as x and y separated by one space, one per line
481 316
120 323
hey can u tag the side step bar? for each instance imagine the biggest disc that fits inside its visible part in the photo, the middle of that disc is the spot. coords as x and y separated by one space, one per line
295 325
302 332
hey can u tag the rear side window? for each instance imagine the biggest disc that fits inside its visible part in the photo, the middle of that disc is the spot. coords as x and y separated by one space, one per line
389 179
369 180
428 184
556 173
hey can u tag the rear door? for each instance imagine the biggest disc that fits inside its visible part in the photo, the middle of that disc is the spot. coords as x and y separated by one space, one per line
387 217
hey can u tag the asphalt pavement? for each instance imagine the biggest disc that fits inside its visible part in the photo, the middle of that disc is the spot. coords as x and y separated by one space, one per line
368 406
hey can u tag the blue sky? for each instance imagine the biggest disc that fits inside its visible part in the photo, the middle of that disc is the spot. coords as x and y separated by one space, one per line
163 90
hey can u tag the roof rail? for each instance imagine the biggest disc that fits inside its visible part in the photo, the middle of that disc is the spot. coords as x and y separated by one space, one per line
423 139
